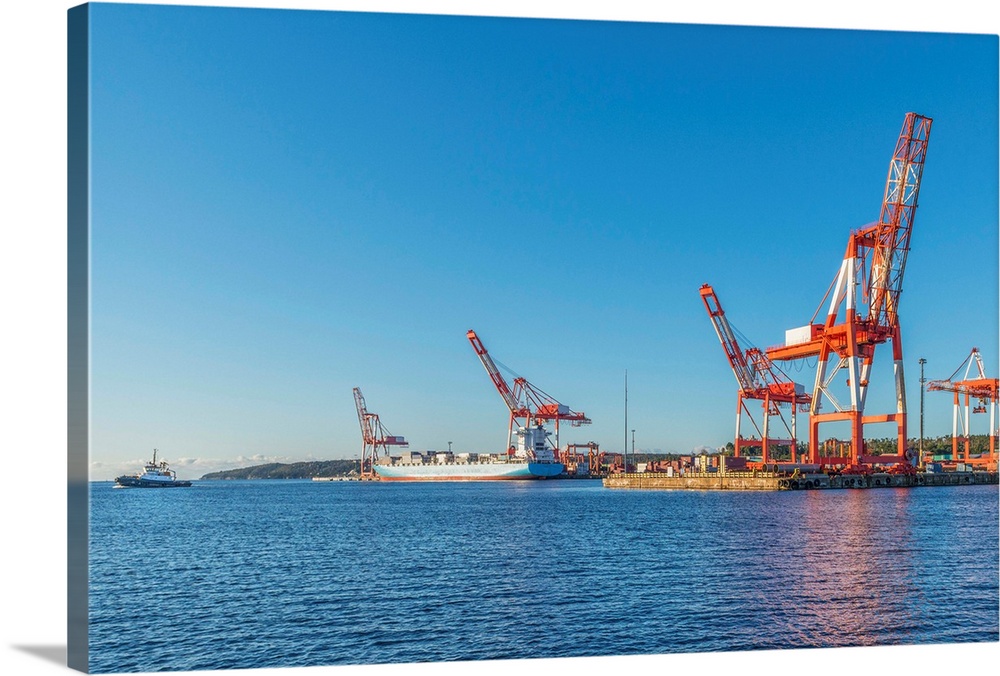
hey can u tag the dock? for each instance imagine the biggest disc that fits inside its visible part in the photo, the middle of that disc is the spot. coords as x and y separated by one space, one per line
783 481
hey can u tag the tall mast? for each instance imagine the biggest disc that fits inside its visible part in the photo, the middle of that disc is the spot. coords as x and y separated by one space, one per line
625 444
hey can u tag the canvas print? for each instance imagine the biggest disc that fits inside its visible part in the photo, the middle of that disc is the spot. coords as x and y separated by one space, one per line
401 338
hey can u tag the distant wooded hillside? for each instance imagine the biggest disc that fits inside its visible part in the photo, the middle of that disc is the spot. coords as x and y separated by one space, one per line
295 470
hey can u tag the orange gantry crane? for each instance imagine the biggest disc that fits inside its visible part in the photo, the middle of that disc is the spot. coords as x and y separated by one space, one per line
526 403
374 436
572 458
977 387
758 379
874 264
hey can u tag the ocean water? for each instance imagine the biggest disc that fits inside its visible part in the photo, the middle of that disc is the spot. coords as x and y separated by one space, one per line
250 574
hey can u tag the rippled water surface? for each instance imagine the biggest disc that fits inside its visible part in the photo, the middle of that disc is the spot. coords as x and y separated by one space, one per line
248 574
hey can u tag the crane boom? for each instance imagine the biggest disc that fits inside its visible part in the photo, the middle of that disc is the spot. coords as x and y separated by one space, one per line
737 360
754 370
949 383
758 379
875 261
363 419
374 436
977 386
525 401
491 368
895 224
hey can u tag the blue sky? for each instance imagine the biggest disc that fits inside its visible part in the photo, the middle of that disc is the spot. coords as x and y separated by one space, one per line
288 204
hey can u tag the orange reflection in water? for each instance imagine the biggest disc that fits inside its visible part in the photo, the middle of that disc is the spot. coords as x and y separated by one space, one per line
854 580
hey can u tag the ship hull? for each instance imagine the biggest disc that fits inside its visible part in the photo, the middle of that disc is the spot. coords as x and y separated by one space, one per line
135 482
507 471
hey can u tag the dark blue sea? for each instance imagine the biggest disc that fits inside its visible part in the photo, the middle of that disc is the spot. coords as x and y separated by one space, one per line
251 574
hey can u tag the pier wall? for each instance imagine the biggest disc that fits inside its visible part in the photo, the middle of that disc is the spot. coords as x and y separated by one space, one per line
771 481
737 481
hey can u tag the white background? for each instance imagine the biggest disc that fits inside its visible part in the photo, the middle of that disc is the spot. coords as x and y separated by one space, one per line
33 329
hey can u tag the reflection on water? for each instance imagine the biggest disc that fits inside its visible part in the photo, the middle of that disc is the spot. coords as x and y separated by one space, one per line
895 566
857 563
266 574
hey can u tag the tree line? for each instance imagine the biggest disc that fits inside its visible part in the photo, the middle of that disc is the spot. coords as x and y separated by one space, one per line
294 470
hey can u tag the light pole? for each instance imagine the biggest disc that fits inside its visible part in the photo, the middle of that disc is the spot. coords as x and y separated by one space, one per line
922 381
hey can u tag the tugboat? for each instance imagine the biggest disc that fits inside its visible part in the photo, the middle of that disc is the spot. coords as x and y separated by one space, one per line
154 475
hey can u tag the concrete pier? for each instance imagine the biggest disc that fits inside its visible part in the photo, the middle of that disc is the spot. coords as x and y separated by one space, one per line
781 481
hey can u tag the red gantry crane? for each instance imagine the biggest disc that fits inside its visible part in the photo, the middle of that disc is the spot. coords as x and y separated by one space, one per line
874 264
758 379
374 436
978 387
526 402
572 459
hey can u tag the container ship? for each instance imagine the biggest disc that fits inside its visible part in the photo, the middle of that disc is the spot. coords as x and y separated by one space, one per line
530 459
